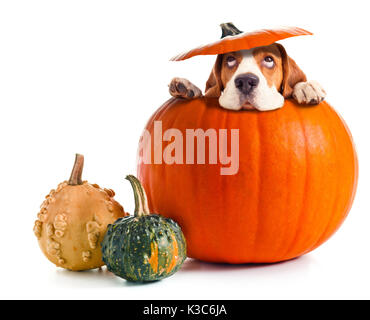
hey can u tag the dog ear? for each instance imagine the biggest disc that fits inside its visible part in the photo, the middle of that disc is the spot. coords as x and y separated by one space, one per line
292 74
214 85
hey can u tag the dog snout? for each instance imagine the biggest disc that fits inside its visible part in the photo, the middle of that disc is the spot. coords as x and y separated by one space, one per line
246 82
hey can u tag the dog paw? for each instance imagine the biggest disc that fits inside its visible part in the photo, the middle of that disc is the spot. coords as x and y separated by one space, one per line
182 88
309 92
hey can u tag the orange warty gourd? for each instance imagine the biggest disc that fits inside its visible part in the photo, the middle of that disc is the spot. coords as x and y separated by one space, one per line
295 185
73 220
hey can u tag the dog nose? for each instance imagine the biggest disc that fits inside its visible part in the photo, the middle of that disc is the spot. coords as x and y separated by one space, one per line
246 82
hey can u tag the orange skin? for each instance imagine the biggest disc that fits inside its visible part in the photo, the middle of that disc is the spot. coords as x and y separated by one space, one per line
244 41
86 209
296 182
73 220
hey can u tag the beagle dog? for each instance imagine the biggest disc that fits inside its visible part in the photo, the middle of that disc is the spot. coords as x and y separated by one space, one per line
259 78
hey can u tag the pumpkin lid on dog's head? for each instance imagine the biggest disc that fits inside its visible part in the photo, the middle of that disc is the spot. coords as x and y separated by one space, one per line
233 39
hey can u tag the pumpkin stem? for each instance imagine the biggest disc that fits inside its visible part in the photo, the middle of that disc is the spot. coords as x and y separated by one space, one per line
76 174
141 201
228 29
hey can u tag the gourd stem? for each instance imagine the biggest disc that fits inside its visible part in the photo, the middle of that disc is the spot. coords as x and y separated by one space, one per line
76 174
141 201
228 29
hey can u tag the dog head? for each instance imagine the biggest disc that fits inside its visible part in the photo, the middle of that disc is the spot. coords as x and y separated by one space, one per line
259 78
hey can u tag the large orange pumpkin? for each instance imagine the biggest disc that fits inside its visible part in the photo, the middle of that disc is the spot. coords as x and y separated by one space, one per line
295 185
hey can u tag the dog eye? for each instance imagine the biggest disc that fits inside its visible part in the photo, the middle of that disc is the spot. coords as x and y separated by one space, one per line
231 61
268 62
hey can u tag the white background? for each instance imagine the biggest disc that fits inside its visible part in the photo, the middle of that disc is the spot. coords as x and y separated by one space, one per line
85 76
